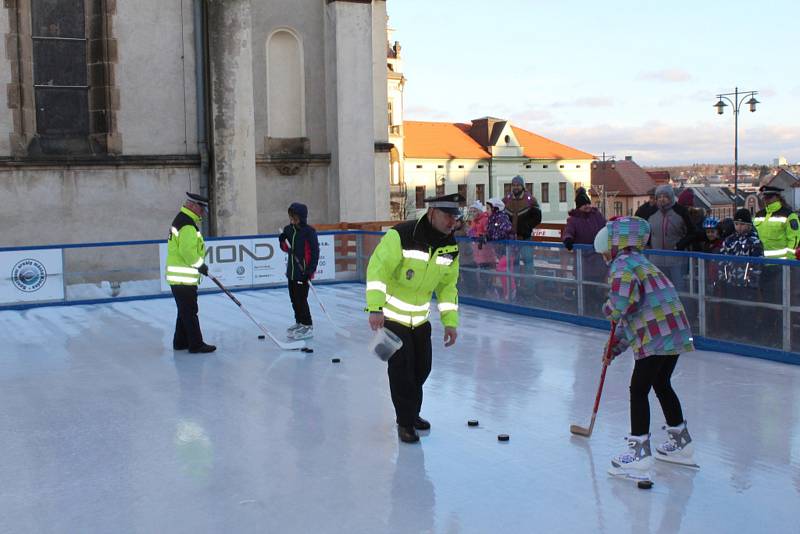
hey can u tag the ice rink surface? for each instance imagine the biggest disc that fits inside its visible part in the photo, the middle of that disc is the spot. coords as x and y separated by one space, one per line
103 428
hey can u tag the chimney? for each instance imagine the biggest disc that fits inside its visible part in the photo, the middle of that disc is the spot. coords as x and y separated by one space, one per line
628 158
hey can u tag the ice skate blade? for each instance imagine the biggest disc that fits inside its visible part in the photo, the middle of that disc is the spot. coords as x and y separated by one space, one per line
638 476
685 462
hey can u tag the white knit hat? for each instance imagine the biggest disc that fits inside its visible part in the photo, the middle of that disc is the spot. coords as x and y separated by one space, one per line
497 203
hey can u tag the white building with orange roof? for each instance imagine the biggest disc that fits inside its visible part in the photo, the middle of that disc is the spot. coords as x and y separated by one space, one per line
479 159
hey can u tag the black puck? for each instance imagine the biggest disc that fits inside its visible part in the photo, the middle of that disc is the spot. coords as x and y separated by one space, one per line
262 337
307 349
645 484
502 437
472 422
335 360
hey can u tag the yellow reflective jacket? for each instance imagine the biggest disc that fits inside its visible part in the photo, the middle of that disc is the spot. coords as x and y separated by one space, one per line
185 249
411 262
778 229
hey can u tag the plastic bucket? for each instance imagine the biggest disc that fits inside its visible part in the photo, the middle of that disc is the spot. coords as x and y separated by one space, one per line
384 344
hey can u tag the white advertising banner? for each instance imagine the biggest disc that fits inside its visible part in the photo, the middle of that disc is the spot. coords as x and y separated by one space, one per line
31 276
248 262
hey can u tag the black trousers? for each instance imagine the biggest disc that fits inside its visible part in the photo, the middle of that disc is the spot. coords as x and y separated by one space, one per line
298 293
187 325
409 367
655 372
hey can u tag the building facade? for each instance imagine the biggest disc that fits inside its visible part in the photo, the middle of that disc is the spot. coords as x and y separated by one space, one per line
620 187
113 109
479 160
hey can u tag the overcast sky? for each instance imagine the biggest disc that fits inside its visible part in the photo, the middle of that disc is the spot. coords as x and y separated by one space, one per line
625 77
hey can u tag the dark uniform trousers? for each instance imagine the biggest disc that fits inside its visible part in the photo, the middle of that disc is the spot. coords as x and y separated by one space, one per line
409 367
298 294
187 325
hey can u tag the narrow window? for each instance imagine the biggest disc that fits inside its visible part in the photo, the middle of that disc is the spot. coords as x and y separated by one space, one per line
462 190
562 191
480 190
420 192
545 193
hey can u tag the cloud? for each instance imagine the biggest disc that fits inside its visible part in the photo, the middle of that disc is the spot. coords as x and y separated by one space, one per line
656 143
585 102
665 75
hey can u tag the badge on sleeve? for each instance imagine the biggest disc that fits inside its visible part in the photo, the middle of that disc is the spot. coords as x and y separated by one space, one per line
793 224
409 274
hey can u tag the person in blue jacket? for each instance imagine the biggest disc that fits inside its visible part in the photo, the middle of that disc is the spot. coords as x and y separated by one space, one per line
299 240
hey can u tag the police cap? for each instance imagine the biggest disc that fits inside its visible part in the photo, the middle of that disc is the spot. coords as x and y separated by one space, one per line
447 203
770 190
197 199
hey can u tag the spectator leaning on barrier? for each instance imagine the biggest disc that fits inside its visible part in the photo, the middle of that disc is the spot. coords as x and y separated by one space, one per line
648 208
522 209
738 280
498 226
696 240
671 229
777 225
583 222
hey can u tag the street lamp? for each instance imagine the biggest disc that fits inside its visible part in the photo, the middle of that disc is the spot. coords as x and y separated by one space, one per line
737 104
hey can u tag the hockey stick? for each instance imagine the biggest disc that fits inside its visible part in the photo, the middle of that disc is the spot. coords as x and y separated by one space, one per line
587 432
336 328
296 345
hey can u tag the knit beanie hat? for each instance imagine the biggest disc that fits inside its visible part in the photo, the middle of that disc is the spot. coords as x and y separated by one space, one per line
686 198
743 216
581 198
518 181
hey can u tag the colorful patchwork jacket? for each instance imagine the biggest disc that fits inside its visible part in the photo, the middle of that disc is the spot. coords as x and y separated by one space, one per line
650 317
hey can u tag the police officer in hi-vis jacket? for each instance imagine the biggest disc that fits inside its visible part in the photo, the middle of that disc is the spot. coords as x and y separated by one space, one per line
412 261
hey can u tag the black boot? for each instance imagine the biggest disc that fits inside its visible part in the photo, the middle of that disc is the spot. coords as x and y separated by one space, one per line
407 434
421 424
203 348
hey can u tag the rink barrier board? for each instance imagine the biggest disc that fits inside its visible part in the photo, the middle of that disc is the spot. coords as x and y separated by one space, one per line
347 237
700 342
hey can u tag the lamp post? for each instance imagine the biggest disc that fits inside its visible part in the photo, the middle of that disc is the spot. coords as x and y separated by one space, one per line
738 100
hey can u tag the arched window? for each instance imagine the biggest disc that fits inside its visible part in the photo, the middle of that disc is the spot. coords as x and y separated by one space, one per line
285 86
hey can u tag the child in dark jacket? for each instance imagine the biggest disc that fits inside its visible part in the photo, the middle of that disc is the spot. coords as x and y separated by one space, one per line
299 240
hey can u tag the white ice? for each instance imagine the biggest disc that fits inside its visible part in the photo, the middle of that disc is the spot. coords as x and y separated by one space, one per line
103 428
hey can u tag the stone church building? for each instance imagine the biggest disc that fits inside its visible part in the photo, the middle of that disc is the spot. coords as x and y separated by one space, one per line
111 109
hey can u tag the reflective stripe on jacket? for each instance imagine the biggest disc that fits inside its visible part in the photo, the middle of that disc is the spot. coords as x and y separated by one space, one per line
406 268
779 230
185 250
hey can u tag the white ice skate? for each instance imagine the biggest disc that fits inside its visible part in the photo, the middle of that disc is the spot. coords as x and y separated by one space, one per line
304 332
678 449
292 328
635 462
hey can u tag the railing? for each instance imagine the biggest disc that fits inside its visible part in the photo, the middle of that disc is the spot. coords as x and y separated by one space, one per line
735 304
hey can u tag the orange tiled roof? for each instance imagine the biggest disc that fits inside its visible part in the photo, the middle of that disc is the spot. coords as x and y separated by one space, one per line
538 147
440 140
452 140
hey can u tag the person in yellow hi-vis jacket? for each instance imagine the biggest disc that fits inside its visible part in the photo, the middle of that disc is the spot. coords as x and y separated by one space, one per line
777 225
412 261
186 252
778 229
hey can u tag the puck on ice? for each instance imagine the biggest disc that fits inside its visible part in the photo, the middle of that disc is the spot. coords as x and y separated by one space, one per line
502 437
472 422
335 360
645 484
307 349
262 337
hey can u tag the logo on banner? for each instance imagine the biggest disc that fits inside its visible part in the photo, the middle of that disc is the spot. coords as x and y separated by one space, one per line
29 275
